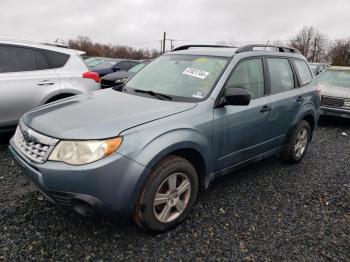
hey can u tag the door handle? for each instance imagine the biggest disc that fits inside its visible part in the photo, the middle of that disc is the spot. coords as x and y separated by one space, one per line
46 83
265 109
300 99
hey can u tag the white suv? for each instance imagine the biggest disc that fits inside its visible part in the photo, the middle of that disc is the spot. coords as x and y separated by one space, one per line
36 73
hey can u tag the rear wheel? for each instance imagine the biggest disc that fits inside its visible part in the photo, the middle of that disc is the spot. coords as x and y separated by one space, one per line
167 196
298 143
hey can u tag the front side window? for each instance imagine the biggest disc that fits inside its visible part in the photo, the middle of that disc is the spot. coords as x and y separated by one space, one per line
182 76
249 75
303 71
335 78
281 75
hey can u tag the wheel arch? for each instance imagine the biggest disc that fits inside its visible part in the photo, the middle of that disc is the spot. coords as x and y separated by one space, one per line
308 114
58 97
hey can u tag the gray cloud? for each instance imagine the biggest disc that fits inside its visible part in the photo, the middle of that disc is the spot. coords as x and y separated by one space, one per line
141 22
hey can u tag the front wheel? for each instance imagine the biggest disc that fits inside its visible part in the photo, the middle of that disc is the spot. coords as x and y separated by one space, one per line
298 143
167 196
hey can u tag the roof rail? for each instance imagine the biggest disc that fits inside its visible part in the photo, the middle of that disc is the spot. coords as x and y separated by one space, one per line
284 49
185 47
33 42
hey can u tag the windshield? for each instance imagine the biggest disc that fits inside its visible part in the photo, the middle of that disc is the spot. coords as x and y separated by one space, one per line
136 68
183 76
335 78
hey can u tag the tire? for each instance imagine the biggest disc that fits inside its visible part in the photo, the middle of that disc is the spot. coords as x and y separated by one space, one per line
291 154
174 202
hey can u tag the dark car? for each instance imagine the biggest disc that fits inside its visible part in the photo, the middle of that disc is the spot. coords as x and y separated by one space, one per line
318 68
188 117
335 89
118 78
106 66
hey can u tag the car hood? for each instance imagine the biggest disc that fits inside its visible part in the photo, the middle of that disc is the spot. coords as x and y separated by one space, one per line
335 91
101 114
117 75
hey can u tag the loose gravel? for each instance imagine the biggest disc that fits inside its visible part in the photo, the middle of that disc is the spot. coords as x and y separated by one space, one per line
270 211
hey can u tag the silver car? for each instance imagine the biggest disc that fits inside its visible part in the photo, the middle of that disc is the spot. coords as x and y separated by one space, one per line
36 73
335 89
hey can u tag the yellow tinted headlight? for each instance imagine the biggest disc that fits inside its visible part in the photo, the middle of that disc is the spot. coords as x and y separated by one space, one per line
84 152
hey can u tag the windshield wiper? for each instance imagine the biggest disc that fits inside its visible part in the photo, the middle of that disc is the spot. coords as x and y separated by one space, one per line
152 93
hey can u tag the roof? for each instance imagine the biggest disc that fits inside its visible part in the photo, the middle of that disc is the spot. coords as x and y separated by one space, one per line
312 63
227 51
42 45
339 68
207 51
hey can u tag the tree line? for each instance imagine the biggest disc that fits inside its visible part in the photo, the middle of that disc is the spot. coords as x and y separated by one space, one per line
317 47
85 44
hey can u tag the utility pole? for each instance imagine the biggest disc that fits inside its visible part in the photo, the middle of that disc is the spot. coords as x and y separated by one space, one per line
164 38
161 45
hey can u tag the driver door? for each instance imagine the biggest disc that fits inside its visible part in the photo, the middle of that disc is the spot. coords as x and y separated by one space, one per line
241 132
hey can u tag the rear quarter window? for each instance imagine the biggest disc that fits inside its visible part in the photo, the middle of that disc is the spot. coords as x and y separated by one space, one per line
303 72
56 59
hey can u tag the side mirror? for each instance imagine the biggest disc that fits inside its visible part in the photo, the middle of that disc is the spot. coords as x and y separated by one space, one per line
236 96
115 69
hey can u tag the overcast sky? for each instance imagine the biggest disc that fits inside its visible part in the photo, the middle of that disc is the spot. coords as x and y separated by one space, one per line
141 23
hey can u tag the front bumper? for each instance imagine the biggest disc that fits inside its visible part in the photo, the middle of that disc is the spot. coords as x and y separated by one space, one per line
339 112
108 186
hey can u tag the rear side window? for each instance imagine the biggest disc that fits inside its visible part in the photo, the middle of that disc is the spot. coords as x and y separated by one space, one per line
16 59
281 75
56 59
303 71
41 62
249 75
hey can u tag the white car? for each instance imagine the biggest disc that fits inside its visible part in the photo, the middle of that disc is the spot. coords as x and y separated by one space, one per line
36 73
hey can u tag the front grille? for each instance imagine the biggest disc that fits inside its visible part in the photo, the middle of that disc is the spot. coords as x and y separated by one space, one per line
61 199
35 146
332 101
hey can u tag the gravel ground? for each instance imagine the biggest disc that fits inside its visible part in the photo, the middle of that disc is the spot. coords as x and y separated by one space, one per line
269 211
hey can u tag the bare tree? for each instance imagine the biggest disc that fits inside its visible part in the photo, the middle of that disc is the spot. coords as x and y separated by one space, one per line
311 43
339 53
116 51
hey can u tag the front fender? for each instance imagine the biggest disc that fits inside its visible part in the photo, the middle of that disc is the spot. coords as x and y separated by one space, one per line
153 151
149 153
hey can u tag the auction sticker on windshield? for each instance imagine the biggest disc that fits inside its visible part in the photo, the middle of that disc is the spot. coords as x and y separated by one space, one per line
195 73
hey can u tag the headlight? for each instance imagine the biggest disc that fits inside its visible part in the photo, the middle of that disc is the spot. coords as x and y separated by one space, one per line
121 80
84 152
347 103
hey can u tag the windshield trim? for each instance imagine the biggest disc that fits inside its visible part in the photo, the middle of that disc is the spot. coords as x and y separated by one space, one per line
182 98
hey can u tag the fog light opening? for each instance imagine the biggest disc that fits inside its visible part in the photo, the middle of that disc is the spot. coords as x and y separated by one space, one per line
83 208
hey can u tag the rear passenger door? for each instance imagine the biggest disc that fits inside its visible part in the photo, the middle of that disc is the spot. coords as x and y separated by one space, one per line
285 97
241 132
25 80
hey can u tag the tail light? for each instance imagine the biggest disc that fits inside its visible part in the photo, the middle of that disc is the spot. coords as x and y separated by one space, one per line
318 90
92 75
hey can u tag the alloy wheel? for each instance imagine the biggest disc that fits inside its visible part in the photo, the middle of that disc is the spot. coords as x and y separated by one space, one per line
301 142
172 197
